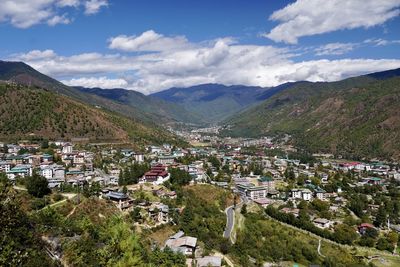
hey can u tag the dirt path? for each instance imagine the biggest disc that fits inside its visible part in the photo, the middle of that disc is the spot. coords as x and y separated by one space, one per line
319 248
228 261
71 212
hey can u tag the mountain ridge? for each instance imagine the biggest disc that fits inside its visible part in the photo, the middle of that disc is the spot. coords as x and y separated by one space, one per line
120 122
357 117
216 102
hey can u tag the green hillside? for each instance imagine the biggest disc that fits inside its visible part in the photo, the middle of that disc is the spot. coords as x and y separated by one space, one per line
357 117
36 112
215 102
155 108
134 105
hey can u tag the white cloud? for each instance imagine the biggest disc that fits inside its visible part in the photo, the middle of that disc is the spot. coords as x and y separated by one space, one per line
218 61
93 6
310 17
64 3
381 42
335 49
36 55
102 82
147 41
58 20
26 13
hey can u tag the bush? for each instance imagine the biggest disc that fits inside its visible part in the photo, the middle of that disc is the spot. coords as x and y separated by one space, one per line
38 204
37 186
58 197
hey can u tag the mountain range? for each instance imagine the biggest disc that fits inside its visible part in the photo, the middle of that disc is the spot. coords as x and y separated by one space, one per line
35 104
358 117
215 102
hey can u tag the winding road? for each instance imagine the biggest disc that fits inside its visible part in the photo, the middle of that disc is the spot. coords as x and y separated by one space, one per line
230 217
230 221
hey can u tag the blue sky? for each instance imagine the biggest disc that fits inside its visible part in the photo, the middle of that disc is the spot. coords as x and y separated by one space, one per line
150 45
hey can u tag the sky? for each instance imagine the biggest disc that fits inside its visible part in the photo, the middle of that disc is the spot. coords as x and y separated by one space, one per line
153 45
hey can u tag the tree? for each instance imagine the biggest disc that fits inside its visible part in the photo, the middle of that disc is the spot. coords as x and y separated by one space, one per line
37 185
289 174
135 214
179 177
381 216
124 189
20 245
244 209
45 144
384 244
345 234
393 237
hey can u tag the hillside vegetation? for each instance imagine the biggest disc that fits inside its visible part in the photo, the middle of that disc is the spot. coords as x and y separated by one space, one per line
215 102
34 111
357 117
155 108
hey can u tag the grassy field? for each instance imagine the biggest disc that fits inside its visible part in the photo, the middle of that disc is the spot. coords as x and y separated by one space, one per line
211 194
161 235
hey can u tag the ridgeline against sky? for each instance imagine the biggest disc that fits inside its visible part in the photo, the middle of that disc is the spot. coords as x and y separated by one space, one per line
128 44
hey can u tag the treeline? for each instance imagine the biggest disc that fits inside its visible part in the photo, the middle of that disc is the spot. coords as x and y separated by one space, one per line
203 218
263 240
343 234
132 173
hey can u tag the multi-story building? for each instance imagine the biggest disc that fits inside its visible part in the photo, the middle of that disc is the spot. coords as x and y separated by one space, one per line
252 192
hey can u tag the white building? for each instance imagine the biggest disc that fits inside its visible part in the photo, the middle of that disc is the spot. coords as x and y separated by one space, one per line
303 193
67 148
21 170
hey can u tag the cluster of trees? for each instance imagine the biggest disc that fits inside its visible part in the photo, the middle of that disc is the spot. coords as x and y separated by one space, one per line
20 243
132 173
262 240
37 185
204 220
115 244
178 179
214 162
343 233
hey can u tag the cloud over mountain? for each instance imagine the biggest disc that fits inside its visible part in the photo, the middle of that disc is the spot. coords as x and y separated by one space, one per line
218 61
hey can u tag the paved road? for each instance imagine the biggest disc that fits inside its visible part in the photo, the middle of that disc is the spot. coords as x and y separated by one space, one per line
230 217
230 221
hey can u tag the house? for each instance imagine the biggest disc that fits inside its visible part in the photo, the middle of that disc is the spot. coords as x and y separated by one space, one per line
139 157
4 166
171 195
304 194
122 200
67 148
320 193
155 149
55 174
78 159
159 213
362 228
21 170
322 223
252 192
263 202
374 181
166 159
157 175
127 152
183 244
46 158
